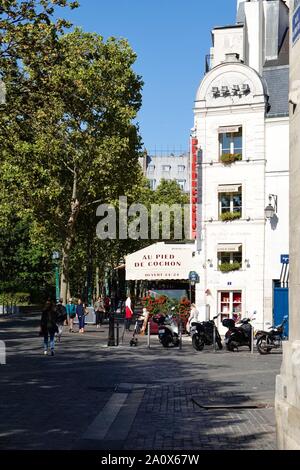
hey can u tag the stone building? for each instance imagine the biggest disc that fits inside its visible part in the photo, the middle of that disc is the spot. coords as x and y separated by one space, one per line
242 132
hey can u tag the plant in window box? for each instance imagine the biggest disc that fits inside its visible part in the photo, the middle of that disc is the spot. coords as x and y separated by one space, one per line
228 267
228 158
229 216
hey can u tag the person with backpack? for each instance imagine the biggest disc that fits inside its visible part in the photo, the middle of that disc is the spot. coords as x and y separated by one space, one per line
48 326
71 313
61 316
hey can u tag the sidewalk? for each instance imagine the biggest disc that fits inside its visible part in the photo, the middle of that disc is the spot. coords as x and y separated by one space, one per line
92 396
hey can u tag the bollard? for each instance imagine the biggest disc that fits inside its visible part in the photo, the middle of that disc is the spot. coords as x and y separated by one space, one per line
118 332
252 340
148 335
214 339
2 353
180 335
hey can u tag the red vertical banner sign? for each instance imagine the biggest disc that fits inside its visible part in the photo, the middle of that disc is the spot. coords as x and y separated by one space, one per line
194 185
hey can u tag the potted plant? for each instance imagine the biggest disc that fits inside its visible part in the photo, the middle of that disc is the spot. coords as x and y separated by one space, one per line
229 267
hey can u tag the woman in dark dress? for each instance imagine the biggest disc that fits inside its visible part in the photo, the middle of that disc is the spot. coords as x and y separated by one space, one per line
49 326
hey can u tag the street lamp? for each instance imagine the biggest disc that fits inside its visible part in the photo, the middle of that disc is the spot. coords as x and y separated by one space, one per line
55 258
271 210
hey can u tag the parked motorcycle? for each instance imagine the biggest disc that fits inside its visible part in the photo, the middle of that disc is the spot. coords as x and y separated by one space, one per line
203 334
168 330
272 339
238 336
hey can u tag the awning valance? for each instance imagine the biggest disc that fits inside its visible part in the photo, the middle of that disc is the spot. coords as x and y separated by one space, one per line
229 248
229 129
229 188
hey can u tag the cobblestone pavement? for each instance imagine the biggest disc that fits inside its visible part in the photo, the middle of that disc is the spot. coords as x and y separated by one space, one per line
92 396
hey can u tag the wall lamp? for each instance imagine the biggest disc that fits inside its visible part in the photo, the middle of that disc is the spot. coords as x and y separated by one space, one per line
271 209
210 263
247 263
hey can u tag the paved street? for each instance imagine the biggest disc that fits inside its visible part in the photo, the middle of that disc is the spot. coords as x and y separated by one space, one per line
90 396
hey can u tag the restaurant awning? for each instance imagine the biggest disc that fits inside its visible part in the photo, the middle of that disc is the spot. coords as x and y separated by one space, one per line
229 188
229 248
229 129
161 261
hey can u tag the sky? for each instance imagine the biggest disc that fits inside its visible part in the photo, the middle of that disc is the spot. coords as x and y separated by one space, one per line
171 39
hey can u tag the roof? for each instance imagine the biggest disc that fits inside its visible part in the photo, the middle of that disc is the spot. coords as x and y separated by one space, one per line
277 80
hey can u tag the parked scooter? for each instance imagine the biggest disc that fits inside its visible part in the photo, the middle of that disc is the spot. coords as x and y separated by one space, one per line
238 336
168 329
203 334
272 339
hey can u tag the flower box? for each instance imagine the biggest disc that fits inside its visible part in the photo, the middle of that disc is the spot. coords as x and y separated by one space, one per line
229 158
229 216
229 267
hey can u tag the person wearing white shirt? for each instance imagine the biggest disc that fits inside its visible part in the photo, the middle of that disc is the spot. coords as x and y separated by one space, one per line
128 313
193 318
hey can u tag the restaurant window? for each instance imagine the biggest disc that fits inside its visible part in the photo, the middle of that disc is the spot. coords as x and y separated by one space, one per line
231 141
181 168
229 258
230 202
230 305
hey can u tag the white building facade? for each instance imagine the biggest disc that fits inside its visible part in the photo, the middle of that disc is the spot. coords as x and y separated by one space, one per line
242 129
287 404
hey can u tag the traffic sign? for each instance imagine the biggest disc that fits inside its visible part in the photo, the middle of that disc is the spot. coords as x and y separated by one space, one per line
285 259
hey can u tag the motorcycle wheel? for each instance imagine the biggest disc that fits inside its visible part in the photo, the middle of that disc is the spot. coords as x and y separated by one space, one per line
198 343
165 342
262 346
230 347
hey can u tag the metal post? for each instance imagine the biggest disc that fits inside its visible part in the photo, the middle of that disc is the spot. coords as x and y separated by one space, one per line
57 283
180 335
252 340
214 339
111 330
148 338
118 333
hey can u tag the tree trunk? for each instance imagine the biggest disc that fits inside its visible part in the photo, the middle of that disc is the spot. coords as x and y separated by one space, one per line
75 208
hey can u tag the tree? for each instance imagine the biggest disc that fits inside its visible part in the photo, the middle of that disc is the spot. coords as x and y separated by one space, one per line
78 153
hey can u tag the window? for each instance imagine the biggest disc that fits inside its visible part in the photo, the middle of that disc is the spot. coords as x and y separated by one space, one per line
230 202
181 168
230 305
230 258
166 168
181 184
231 142
152 184
151 169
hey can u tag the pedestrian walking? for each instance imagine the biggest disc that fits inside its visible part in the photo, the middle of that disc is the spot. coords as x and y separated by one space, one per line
61 316
107 305
100 311
80 313
71 313
128 313
193 318
48 326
